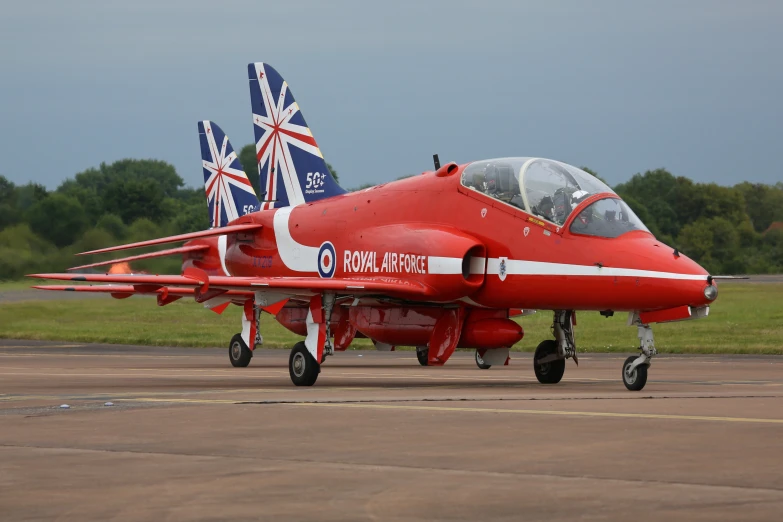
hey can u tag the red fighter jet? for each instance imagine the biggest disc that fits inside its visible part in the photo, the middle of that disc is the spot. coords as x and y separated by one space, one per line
437 261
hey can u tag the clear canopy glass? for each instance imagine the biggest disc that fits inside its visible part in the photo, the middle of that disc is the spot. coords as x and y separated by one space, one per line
545 188
610 217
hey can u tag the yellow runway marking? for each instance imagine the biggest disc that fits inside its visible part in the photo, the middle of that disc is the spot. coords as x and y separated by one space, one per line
185 401
544 412
478 410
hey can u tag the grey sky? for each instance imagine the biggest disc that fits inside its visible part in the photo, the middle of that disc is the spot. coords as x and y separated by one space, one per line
619 86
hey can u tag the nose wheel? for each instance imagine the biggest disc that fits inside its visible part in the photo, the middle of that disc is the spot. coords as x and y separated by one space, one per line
634 377
635 367
238 352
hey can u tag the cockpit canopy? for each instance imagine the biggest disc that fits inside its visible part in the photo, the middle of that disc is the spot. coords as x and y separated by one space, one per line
552 190
544 188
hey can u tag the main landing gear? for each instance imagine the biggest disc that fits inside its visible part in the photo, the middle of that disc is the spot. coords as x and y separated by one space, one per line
422 354
304 363
238 352
480 362
550 371
550 357
302 366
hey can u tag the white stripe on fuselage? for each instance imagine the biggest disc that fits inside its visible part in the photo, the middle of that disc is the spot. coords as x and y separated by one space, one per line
540 268
444 265
453 265
295 256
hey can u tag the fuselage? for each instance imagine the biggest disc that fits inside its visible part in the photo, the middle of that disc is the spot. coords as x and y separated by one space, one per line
484 252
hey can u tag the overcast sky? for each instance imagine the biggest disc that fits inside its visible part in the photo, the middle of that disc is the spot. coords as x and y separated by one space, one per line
619 86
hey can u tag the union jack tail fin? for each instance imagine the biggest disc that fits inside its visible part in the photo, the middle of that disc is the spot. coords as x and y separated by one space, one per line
291 167
229 193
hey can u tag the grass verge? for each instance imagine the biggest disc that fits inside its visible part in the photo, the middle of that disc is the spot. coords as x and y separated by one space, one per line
746 318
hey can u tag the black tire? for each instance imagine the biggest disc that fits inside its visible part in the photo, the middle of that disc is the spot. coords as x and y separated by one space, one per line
238 352
302 367
422 354
551 372
638 378
480 362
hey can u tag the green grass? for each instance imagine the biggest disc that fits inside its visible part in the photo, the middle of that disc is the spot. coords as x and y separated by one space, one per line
746 318
20 285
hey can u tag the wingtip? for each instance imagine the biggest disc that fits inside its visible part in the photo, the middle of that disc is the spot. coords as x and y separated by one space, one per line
64 277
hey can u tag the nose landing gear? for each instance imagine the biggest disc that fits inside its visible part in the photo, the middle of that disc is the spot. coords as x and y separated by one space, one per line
635 367
634 377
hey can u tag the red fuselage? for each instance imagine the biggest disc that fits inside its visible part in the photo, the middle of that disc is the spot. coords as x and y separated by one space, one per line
476 250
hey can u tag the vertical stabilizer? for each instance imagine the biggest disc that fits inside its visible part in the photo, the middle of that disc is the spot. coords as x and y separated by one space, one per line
291 167
229 193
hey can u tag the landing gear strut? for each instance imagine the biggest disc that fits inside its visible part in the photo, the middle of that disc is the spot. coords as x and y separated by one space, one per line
304 363
635 367
238 352
550 357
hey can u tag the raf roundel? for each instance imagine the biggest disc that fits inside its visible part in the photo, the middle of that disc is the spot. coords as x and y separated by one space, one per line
327 260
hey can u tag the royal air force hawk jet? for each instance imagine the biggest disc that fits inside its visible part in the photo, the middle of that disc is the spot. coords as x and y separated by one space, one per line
437 261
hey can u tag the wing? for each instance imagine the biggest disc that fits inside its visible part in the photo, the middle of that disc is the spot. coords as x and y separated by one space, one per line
160 253
231 229
204 285
121 291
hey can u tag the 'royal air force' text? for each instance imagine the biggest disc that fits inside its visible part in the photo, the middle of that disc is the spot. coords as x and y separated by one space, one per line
366 261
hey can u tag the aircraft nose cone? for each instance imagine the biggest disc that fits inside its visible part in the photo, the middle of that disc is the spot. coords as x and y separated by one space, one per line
677 281
698 289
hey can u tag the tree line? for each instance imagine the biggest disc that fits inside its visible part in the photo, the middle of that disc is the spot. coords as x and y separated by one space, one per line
726 229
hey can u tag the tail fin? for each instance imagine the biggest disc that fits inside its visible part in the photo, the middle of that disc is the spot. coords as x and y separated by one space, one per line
229 193
291 167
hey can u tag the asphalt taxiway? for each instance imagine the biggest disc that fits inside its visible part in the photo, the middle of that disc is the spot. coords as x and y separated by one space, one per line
381 438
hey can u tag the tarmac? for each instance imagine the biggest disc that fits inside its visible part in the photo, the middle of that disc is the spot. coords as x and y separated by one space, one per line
381 438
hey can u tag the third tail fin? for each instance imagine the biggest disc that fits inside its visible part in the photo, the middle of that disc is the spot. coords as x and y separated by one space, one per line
291 167
229 193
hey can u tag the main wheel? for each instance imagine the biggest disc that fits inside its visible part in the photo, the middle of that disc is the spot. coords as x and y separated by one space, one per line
422 354
302 366
238 352
634 379
480 362
550 372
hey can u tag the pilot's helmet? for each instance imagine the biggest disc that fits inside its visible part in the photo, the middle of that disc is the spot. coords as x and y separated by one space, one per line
577 197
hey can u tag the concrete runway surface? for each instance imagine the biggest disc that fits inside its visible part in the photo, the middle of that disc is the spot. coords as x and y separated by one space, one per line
381 438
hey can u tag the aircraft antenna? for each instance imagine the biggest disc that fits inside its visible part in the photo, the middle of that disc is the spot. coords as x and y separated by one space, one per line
436 160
